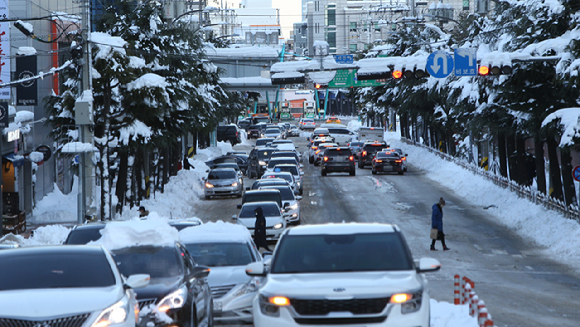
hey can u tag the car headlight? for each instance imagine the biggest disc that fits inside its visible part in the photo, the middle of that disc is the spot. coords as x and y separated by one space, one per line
262 163
208 185
278 226
250 286
270 305
173 300
410 302
235 184
115 314
293 207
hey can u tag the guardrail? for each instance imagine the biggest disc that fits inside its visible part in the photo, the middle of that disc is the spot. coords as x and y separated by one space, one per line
570 212
464 293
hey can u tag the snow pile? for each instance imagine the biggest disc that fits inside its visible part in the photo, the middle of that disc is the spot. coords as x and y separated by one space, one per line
153 232
45 235
35 156
77 147
560 236
354 125
56 207
570 120
26 51
23 115
212 152
445 314
215 231
244 137
305 134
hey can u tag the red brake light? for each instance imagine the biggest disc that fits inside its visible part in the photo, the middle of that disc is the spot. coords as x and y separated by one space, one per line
317 152
378 160
404 158
364 153
351 158
325 158
372 128
314 147
398 161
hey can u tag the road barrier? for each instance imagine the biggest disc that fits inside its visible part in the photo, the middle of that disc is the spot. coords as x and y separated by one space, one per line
464 293
530 193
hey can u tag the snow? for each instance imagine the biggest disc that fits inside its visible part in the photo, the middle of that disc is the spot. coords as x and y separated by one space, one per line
26 51
445 314
44 235
56 207
354 125
247 81
77 147
135 131
286 147
559 236
570 120
26 26
150 232
215 231
107 44
35 156
23 115
243 52
148 80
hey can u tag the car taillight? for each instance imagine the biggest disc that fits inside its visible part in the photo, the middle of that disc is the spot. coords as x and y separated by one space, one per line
378 160
317 152
404 158
314 148
364 153
351 158
398 161
236 134
325 158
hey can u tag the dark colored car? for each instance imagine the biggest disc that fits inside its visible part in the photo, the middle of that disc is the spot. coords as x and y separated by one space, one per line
254 131
337 160
388 162
258 161
262 196
368 151
177 286
355 148
83 234
268 182
228 133
264 141
244 123
240 159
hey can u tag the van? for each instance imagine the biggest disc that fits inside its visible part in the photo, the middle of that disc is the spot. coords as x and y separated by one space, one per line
370 134
228 133
342 135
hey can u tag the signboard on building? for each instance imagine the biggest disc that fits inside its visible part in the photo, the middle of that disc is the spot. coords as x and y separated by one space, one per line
345 78
4 51
3 114
26 92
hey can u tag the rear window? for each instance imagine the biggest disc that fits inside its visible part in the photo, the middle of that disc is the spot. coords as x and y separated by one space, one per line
291 169
268 209
285 192
261 197
375 146
337 153
260 142
278 161
83 236
387 155
338 131
55 270
287 177
223 174
272 130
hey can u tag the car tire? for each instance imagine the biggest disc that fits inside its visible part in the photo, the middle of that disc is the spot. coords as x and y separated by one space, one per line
316 163
311 160
239 195
301 191
360 164
401 172
322 172
374 172
352 172
207 197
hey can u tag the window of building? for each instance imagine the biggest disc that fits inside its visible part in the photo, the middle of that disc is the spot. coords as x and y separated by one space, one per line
330 15
352 48
365 27
377 27
353 26
331 37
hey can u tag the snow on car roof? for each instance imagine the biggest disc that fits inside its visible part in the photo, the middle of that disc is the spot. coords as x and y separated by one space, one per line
286 146
344 228
150 232
218 231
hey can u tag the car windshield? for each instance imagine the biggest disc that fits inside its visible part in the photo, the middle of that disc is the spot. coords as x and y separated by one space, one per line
221 174
284 155
83 235
285 192
272 131
223 160
287 177
269 210
265 154
356 144
268 182
278 161
338 130
263 141
261 197
387 155
291 169
156 261
340 253
220 254
55 270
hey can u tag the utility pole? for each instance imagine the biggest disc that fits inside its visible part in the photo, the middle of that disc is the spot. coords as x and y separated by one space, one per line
84 121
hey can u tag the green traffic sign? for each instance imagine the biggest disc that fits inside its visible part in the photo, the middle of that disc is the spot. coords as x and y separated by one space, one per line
345 78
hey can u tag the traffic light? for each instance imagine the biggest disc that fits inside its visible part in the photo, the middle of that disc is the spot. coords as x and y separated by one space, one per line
397 74
484 70
415 73
317 86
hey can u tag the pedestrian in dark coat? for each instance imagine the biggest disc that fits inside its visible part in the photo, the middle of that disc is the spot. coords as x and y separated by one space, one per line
437 223
260 229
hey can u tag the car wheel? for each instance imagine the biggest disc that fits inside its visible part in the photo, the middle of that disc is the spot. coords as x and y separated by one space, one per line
401 172
301 191
374 172
323 172
316 163
352 172
311 160
207 197
360 165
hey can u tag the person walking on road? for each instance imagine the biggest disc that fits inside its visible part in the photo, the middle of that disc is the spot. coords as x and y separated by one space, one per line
437 223
260 230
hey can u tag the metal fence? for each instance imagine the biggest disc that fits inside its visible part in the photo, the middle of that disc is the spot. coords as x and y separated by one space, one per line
570 212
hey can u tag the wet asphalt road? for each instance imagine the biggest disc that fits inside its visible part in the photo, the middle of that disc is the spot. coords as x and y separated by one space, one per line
520 286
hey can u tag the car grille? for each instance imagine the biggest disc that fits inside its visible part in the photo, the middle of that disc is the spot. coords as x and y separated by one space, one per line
355 306
339 321
72 321
145 303
219 291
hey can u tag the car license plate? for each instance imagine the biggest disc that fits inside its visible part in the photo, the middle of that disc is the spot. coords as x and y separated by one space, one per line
388 168
217 305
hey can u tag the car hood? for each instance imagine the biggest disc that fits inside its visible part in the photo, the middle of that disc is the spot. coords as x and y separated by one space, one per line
158 288
251 222
48 303
232 275
341 285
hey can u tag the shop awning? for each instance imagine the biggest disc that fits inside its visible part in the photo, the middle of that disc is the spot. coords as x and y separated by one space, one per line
17 160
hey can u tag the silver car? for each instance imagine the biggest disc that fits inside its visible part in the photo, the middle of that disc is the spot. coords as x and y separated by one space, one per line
284 175
291 203
275 222
223 181
226 248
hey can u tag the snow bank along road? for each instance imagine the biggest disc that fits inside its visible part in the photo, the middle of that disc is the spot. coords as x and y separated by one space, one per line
520 286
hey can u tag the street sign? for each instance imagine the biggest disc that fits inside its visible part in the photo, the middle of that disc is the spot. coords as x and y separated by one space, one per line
576 173
465 62
346 78
439 64
344 59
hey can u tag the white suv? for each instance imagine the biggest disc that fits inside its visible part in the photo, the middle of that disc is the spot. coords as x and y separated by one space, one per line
343 274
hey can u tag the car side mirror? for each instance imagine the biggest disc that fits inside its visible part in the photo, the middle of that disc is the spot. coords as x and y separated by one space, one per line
200 271
247 189
286 204
406 155
301 173
137 281
234 217
428 265
296 147
239 206
298 198
256 269
207 171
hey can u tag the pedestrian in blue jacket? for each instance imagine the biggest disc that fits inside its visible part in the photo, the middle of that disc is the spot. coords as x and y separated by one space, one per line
437 223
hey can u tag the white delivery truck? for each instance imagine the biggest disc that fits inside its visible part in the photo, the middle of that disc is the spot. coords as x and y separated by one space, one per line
371 134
